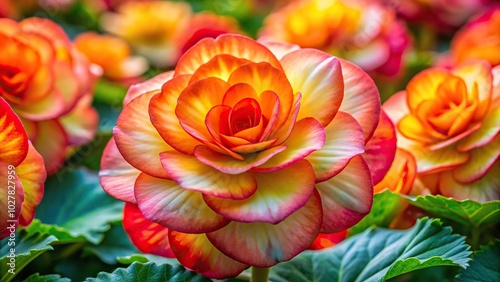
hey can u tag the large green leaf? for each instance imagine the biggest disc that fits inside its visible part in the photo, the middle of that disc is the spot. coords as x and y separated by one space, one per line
46 278
379 254
146 258
26 247
115 244
386 205
74 200
485 265
150 272
467 212
63 236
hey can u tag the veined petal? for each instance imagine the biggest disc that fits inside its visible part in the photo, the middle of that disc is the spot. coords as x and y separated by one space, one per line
483 190
347 197
152 84
138 140
265 244
230 165
277 196
147 236
191 174
235 45
307 136
162 114
344 140
163 201
318 77
52 143
12 135
220 66
196 252
14 185
361 97
381 149
117 176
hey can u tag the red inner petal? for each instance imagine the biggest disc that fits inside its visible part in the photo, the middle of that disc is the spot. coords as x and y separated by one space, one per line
245 114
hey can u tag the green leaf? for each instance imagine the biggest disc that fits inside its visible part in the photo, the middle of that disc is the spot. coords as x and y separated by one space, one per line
25 247
62 235
379 254
467 212
74 200
150 272
484 266
386 206
109 92
146 258
46 278
115 244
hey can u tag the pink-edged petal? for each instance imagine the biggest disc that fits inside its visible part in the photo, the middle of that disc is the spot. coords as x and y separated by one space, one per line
138 140
361 97
191 174
347 197
81 123
117 176
307 136
318 77
32 174
381 148
147 236
230 165
265 244
52 143
149 85
235 45
12 135
11 191
279 48
481 160
344 140
484 189
196 252
252 148
163 118
163 201
195 102
490 127
278 195
396 107
282 132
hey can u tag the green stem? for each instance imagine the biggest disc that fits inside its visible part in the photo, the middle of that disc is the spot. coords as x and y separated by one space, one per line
475 234
259 274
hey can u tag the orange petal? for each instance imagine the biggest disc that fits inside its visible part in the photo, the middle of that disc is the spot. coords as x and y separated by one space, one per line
10 192
401 174
151 84
220 66
424 86
12 136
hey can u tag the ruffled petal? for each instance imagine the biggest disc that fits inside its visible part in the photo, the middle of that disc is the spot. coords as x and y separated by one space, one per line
347 197
265 244
163 118
235 45
344 140
318 77
52 143
278 195
424 86
117 176
32 174
147 236
221 66
191 174
149 85
196 252
12 135
165 202
361 97
138 140
307 136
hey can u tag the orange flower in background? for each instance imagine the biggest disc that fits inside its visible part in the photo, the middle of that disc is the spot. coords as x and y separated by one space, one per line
450 121
22 173
206 152
364 32
48 84
112 54
150 27
479 39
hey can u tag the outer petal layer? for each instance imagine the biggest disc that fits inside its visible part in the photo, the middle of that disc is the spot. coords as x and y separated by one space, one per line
13 136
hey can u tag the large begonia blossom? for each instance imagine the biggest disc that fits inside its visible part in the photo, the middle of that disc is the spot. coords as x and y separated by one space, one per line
364 32
243 156
22 173
450 121
48 84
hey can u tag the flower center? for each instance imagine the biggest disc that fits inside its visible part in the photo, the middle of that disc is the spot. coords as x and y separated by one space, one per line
245 114
11 82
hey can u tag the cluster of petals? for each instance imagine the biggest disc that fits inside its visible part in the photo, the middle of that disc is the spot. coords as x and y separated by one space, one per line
22 173
163 39
449 120
243 154
48 84
364 32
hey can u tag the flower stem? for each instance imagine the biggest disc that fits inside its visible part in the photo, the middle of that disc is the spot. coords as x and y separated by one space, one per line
259 274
